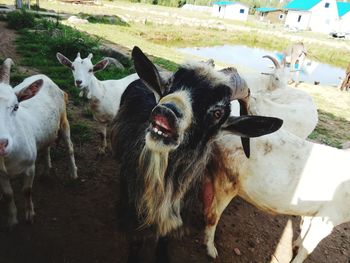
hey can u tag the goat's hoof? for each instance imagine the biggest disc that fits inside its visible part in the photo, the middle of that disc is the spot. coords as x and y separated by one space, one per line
212 251
30 214
74 174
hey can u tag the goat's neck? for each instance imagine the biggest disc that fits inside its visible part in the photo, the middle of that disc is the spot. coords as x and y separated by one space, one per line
96 88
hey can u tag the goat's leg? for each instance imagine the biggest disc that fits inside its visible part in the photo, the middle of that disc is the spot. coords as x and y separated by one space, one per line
8 196
217 194
65 131
103 133
48 164
292 70
319 228
27 192
134 251
304 227
162 255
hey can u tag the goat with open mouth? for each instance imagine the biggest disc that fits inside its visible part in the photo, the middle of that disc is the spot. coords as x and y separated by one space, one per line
162 138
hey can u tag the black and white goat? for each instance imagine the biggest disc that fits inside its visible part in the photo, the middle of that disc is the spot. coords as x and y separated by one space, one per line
162 138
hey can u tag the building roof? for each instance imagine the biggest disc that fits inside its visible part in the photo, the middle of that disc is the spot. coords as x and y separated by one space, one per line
266 9
343 8
302 4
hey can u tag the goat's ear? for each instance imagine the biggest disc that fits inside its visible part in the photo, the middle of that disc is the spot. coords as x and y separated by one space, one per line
147 72
249 126
63 60
30 91
101 65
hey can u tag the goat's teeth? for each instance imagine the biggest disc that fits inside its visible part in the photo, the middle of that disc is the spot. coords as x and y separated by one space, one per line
155 129
159 132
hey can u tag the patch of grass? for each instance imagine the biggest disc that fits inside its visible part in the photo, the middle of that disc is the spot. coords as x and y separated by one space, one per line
166 64
20 19
104 19
81 132
87 113
38 48
331 130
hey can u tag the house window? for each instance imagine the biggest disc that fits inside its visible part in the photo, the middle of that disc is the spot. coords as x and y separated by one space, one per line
299 18
219 9
326 5
281 16
241 11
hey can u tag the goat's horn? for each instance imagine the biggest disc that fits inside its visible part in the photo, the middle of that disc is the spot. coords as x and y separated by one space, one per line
115 62
240 92
237 84
5 71
90 56
78 55
275 62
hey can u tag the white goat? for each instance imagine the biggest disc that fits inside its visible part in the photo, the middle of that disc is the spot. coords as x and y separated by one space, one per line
271 96
284 175
31 115
104 96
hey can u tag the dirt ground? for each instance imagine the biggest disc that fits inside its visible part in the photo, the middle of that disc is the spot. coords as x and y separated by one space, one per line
77 222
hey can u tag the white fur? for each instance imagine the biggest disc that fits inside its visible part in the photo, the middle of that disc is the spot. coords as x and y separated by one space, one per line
289 175
32 128
271 96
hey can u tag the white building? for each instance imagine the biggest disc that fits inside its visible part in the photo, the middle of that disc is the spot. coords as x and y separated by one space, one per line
230 10
323 16
344 17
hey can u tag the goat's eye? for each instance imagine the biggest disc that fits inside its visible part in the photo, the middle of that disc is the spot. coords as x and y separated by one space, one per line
90 70
15 108
72 67
217 114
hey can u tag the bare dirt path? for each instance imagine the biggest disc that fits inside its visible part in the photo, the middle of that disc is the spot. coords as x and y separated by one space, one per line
77 222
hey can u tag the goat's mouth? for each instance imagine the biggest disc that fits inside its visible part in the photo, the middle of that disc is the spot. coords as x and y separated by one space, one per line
160 127
163 126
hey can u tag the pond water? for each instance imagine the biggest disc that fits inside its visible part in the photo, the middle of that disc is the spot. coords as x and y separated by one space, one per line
252 58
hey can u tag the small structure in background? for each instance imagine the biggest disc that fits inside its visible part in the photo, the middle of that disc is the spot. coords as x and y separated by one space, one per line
344 17
230 10
324 16
345 85
271 15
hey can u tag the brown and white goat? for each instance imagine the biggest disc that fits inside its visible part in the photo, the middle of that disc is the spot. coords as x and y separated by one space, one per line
31 115
285 174
162 138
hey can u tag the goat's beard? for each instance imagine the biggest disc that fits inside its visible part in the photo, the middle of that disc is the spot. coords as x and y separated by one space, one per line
2 165
156 205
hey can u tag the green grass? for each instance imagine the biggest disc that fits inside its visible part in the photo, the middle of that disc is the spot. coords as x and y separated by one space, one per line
333 113
38 48
331 130
81 132
87 113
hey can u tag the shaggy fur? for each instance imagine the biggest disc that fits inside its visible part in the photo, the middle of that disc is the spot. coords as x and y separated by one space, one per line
162 140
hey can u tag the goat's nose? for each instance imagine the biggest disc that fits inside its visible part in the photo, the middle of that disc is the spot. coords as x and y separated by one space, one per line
78 83
3 145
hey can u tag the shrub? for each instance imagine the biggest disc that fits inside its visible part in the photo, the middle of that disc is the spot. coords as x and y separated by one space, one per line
20 19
